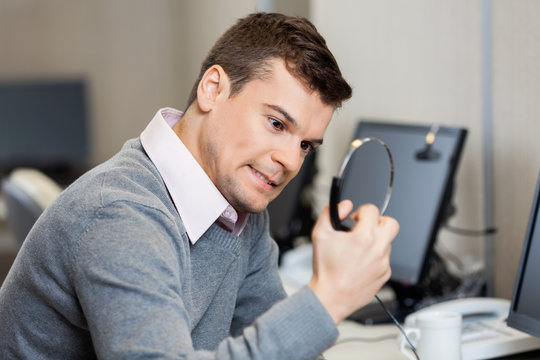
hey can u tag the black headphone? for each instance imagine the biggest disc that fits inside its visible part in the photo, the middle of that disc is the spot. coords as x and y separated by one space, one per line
337 181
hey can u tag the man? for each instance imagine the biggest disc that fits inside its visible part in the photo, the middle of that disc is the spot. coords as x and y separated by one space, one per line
164 252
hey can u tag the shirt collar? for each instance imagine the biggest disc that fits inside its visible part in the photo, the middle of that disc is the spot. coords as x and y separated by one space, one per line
182 173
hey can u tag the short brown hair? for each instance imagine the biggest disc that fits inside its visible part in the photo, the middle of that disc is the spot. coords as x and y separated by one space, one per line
245 49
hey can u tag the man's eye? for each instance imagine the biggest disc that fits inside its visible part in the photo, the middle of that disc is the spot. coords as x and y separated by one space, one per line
306 146
276 124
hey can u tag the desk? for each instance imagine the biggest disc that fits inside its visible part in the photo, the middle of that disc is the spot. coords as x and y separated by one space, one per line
360 346
387 349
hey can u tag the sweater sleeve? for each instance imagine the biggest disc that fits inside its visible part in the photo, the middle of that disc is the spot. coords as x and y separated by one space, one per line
297 327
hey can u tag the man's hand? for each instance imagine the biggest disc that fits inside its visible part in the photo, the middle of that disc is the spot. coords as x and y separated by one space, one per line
350 267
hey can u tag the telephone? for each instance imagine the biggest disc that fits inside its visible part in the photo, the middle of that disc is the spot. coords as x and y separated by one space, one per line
484 333
472 309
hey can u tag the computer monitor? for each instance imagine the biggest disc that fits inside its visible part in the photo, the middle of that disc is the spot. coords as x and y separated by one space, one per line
421 196
43 124
524 310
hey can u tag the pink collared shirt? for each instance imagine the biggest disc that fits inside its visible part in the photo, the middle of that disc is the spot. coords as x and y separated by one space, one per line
199 208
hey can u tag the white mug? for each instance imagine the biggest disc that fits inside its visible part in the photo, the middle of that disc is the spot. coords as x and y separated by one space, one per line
436 336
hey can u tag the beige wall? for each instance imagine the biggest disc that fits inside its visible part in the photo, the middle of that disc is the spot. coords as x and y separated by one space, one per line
136 55
516 116
421 61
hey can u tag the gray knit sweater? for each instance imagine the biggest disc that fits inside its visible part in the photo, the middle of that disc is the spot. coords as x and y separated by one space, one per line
108 272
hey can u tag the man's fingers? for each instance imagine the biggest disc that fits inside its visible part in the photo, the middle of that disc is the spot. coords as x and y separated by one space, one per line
366 215
344 208
390 225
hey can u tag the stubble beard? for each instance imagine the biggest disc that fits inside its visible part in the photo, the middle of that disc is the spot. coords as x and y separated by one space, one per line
233 191
238 197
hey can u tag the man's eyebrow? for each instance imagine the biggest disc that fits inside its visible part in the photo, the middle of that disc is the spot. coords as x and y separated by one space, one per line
285 114
291 120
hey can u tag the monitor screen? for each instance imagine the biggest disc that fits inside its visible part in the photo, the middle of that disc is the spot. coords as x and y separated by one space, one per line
421 190
524 309
42 124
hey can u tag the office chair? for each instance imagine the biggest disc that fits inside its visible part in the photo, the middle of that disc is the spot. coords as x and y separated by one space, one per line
27 193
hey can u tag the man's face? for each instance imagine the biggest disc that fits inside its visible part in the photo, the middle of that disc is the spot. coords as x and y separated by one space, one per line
253 143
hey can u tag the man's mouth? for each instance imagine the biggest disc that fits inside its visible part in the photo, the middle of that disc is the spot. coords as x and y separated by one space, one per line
263 178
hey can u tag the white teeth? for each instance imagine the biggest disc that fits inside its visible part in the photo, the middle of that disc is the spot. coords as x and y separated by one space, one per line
262 177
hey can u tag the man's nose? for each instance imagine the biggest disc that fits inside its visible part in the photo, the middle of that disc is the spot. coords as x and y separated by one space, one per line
289 156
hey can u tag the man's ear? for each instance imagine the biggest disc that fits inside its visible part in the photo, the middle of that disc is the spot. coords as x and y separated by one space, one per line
214 83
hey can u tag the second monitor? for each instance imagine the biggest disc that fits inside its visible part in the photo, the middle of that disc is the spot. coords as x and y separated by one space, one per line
426 159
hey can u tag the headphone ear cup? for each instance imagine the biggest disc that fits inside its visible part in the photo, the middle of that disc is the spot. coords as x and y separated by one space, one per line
335 194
